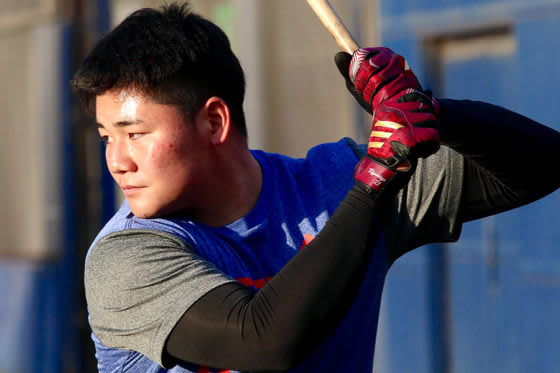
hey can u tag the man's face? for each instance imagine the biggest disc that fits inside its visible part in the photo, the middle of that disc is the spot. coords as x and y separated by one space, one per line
159 159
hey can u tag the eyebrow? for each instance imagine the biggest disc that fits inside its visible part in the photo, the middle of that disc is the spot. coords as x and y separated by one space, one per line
121 123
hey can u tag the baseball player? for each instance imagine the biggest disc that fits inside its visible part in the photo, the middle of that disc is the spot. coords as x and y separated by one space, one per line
224 258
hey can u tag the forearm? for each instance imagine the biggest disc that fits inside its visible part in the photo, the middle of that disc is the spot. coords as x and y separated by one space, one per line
510 159
276 327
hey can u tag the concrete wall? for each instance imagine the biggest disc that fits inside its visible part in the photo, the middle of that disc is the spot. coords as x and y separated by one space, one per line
30 145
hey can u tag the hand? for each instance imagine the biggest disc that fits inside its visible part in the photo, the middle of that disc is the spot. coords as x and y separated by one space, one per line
404 129
374 75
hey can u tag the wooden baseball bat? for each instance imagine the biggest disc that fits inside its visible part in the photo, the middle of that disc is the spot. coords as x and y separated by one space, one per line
334 25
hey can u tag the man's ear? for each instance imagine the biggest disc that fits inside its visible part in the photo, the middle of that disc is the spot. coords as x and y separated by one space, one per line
216 119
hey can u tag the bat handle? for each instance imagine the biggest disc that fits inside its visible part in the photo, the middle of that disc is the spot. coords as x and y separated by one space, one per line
334 25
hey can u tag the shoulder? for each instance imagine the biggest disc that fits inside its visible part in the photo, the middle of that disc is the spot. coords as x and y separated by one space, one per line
122 261
125 226
139 282
328 162
344 150
332 165
335 157
326 169
122 257
133 241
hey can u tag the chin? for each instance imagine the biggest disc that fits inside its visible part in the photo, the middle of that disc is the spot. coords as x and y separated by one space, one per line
144 213
147 211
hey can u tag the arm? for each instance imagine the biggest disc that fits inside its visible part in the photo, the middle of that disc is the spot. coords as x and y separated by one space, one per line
278 326
148 291
510 160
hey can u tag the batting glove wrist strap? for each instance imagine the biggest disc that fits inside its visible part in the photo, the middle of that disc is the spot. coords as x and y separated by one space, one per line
372 175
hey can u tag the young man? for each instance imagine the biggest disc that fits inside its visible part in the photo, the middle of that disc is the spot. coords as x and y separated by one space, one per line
238 259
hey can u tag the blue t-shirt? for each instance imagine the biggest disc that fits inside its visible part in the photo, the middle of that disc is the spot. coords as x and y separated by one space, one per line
137 289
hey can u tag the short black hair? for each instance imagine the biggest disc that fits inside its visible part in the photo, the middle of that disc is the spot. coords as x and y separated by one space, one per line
173 55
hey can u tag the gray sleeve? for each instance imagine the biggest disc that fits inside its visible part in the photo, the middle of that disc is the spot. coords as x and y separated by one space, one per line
427 209
138 285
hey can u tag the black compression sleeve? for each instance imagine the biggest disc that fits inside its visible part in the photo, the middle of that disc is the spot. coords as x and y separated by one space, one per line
511 160
234 327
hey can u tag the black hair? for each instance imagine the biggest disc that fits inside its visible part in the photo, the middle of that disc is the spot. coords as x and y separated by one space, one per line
173 55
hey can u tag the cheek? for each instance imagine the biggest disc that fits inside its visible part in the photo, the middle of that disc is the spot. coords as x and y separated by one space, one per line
166 157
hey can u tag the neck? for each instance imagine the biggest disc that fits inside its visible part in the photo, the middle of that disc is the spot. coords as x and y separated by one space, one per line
235 187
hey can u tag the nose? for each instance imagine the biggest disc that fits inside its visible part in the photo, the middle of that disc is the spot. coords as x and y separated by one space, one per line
119 158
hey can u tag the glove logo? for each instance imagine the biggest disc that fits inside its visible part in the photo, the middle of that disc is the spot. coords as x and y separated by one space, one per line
373 65
380 179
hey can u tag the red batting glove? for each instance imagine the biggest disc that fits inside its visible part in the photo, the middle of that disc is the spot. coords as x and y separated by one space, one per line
402 131
375 74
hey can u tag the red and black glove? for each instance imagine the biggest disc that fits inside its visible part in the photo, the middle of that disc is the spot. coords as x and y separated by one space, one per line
375 74
403 130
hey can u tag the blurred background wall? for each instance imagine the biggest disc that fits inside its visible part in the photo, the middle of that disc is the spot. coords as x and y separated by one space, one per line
489 303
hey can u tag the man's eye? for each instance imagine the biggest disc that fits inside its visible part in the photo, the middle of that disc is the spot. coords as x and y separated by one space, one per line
106 139
134 136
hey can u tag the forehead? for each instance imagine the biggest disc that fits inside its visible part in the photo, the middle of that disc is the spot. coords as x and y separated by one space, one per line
131 105
125 100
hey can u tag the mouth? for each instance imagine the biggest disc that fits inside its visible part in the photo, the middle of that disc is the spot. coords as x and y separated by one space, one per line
130 190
